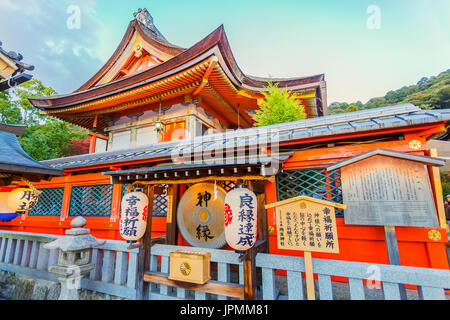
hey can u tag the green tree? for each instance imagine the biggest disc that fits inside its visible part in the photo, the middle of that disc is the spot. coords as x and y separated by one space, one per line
278 106
50 140
351 108
428 93
9 113
30 89
44 137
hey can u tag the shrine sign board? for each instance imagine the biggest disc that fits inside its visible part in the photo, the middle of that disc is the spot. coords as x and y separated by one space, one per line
306 224
385 190
309 225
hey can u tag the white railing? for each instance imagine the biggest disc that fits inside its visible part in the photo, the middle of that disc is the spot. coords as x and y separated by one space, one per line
430 282
115 270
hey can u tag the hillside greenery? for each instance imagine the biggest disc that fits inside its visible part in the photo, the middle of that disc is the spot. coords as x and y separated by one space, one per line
427 93
44 137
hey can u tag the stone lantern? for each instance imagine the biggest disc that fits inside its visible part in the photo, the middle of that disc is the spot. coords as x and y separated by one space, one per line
74 255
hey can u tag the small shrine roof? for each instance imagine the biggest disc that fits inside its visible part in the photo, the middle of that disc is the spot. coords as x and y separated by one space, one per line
13 74
13 160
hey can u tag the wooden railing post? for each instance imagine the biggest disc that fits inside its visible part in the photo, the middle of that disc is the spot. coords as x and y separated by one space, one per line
250 288
250 275
144 250
259 188
172 200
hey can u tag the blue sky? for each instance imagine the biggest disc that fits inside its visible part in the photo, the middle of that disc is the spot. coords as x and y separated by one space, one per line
276 38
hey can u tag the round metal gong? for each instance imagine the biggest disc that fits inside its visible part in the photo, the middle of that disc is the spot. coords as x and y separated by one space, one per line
200 217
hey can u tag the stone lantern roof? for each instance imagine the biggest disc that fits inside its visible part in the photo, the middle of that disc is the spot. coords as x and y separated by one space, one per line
77 238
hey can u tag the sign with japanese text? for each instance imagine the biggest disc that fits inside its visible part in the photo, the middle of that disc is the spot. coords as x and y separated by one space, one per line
22 199
383 190
307 225
133 216
240 217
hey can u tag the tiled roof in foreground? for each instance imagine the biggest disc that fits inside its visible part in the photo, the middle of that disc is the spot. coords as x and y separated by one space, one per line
359 121
14 160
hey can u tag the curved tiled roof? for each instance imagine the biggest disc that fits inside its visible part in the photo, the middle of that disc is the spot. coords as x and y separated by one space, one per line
16 161
353 122
216 43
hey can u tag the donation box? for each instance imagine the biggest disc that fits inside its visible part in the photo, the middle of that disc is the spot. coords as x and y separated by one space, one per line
190 266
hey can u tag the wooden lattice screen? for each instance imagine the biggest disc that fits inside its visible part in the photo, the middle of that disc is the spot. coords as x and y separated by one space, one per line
49 203
91 201
316 183
159 202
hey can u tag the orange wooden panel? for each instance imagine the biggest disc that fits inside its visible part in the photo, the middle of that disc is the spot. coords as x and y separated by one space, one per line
325 156
174 130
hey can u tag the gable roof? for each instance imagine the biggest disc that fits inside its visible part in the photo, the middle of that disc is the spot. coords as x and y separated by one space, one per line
388 153
151 35
214 44
306 198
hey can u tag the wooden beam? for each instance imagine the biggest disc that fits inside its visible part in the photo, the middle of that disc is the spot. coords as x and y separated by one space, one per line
148 231
258 187
240 116
144 250
215 287
435 179
171 224
212 111
250 275
394 254
208 71
310 292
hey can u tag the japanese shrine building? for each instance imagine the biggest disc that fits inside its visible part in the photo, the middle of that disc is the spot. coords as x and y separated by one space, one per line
149 80
153 100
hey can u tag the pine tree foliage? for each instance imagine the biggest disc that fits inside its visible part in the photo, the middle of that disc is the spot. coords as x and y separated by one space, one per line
278 106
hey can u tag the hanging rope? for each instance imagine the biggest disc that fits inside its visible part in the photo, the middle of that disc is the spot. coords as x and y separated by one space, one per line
28 183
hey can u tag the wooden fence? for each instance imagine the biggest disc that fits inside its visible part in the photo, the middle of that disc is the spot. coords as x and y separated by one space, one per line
220 287
430 282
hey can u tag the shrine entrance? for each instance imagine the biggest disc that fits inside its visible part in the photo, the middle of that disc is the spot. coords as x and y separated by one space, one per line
194 204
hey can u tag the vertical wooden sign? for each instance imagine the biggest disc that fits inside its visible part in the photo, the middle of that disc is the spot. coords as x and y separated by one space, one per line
309 225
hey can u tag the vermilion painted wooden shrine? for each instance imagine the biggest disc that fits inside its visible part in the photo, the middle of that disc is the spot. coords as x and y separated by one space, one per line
154 107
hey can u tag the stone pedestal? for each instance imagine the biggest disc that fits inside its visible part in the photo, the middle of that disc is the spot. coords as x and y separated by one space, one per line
74 256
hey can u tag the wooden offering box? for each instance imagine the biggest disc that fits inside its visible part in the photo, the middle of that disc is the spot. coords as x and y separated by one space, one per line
190 266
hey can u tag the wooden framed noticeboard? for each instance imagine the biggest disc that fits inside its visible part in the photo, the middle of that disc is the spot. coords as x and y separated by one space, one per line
383 190
309 225
306 224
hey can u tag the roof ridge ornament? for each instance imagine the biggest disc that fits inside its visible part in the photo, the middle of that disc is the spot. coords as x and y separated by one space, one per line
145 18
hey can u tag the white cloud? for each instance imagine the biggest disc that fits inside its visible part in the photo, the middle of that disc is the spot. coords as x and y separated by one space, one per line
63 58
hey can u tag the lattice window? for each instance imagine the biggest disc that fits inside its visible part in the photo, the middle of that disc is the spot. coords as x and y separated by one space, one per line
91 201
159 202
49 203
159 205
316 183
227 185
